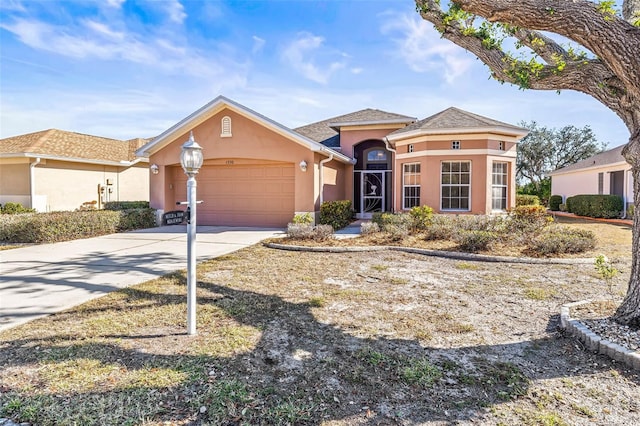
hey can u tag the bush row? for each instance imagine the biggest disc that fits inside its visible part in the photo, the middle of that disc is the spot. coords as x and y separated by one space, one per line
306 231
525 225
14 208
64 226
601 206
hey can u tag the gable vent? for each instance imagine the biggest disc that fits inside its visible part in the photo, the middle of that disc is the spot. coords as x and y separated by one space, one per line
226 127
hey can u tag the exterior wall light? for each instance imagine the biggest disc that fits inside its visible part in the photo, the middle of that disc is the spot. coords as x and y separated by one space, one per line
154 169
303 166
191 160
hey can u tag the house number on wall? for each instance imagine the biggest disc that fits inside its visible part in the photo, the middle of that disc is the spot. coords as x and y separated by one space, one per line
229 162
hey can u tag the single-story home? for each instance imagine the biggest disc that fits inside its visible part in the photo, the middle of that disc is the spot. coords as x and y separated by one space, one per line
257 172
55 170
605 173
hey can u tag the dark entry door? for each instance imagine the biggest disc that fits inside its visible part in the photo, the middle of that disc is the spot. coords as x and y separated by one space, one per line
616 185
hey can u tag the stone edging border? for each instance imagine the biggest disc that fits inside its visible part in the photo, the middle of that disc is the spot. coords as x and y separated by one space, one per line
594 342
435 253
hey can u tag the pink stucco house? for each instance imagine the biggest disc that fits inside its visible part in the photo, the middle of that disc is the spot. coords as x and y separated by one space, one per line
258 172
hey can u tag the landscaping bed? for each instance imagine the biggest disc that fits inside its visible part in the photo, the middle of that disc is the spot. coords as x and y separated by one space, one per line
324 338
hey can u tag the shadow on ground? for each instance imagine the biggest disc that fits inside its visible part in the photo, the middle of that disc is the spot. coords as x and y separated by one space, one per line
283 367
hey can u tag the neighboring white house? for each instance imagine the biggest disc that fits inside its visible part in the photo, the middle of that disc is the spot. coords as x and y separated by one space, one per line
604 173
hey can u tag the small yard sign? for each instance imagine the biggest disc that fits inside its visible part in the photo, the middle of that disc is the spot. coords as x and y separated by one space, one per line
175 217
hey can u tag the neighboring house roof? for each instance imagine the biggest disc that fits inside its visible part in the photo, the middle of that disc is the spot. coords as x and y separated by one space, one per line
326 132
606 158
217 105
456 120
70 146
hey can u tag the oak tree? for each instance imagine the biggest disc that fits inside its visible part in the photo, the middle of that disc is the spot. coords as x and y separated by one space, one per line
602 60
545 149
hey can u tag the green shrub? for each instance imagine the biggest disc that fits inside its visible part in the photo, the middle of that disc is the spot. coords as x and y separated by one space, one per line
306 231
16 208
422 216
442 228
527 200
559 239
323 232
126 205
302 218
528 219
58 226
554 202
630 211
367 228
141 218
338 214
480 223
603 206
300 231
398 225
473 241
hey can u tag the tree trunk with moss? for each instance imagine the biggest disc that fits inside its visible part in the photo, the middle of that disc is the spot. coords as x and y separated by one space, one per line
607 68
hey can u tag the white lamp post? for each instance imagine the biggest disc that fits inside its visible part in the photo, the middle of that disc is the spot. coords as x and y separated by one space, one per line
191 161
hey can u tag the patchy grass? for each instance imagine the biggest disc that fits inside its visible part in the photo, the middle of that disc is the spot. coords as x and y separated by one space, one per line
322 338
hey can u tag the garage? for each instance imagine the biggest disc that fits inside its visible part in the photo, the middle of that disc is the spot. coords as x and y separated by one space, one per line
236 194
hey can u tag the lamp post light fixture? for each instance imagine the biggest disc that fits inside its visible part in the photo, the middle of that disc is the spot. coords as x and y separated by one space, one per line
191 161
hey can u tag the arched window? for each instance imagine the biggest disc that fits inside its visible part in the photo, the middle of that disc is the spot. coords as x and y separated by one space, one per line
376 155
226 127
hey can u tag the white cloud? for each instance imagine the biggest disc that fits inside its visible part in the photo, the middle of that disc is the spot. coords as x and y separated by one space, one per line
175 10
258 44
301 55
422 49
116 4
92 39
12 5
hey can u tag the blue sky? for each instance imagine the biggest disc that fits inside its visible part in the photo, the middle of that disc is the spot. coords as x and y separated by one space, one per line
125 69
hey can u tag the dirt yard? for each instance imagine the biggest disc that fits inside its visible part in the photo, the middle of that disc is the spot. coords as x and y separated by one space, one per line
382 338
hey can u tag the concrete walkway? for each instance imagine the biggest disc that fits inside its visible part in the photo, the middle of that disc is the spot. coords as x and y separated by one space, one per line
42 279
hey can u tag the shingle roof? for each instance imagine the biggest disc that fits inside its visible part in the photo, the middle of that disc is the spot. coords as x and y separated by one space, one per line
325 131
63 144
605 158
454 118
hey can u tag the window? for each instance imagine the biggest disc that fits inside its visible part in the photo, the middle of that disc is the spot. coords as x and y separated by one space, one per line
600 183
410 148
410 185
501 145
455 145
226 127
499 186
377 155
455 185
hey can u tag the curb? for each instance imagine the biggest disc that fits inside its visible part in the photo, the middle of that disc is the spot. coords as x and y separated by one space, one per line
594 342
435 253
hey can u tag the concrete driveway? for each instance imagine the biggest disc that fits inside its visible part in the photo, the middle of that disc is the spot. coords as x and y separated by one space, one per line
39 280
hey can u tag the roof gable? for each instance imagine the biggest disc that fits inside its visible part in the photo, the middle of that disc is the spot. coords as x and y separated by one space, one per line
456 120
71 146
325 131
605 158
220 103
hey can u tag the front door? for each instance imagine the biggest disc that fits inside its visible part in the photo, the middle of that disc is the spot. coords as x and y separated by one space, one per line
372 178
373 185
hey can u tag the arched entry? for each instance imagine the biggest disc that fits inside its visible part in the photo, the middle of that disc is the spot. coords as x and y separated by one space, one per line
372 178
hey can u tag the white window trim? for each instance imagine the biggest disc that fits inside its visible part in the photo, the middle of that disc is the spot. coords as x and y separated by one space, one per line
506 185
409 186
470 185
224 132
456 145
